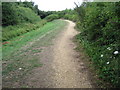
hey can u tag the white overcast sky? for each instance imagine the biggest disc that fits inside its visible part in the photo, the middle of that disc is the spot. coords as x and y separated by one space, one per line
55 5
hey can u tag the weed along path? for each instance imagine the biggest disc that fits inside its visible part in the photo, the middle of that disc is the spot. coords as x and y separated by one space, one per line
60 66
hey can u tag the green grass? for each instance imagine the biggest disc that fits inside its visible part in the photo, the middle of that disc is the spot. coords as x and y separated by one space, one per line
16 43
20 53
11 32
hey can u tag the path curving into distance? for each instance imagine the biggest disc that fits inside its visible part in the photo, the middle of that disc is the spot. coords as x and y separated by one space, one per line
61 68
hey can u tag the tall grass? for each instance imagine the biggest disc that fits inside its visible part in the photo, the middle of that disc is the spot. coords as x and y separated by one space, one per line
10 32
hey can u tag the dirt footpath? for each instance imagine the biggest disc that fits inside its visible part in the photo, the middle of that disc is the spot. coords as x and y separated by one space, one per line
61 68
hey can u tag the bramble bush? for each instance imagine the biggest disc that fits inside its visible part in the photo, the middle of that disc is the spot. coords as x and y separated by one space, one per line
100 35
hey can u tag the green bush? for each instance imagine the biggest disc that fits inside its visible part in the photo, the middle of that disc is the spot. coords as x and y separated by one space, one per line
19 18
100 35
72 17
68 14
9 14
27 15
14 13
52 17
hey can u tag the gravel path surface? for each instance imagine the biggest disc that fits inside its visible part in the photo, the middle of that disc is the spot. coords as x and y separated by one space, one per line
61 68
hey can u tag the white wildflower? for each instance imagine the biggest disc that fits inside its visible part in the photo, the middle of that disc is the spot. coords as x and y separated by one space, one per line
108 62
111 57
109 48
20 68
116 52
102 55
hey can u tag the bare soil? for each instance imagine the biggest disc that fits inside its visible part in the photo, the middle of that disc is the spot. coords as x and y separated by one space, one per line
62 67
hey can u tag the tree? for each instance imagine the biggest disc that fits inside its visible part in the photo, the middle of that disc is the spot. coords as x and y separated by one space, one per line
9 14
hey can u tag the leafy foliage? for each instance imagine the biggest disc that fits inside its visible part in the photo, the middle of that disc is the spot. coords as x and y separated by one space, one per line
19 18
9 14
100 35
70 15
44 14
65 14
52 17
27 15
18 12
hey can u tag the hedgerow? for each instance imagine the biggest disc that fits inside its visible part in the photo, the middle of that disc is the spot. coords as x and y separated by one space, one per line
100 35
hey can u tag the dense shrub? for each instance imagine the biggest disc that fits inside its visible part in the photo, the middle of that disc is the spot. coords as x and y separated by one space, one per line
27 15
72 17
68 14
52 17
14 13
65 14
100 35
19 18
9 14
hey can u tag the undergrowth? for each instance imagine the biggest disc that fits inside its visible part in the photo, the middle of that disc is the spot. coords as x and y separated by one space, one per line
100 36
10 31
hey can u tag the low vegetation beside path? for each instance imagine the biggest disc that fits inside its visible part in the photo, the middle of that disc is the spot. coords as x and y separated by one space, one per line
21 54
24 24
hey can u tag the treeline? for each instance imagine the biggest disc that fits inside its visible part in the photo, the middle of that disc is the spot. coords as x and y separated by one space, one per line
99 24
21 17
19 12
14 13
65 14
